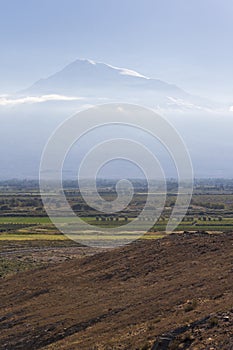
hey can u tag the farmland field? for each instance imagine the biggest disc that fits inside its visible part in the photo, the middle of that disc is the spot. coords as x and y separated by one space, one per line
28 238
23 219
30 245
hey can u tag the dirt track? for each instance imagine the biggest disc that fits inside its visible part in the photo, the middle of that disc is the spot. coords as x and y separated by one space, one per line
126 299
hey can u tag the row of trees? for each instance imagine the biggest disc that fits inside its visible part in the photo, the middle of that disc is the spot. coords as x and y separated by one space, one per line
111 218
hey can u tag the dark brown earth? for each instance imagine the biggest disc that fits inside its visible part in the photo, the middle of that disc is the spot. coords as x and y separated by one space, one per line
172 293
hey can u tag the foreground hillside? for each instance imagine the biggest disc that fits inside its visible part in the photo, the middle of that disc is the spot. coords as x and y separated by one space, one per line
172 293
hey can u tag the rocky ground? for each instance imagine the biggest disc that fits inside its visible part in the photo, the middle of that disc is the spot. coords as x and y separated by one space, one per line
171 293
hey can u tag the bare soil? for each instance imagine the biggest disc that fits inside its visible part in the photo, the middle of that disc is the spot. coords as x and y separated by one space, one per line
171 293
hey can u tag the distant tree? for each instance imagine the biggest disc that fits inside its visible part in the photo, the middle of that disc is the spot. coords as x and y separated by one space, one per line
4 207
77 207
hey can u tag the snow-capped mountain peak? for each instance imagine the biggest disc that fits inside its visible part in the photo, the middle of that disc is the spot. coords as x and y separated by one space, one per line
120 70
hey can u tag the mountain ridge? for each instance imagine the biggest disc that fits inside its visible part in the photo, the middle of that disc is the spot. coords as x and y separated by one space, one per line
84 75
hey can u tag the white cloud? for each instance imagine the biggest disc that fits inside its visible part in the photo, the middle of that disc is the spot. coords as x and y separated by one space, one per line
120 109
180 103
231 109
8 101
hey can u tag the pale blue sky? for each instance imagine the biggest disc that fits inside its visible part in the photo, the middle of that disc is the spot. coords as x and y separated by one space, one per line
187 42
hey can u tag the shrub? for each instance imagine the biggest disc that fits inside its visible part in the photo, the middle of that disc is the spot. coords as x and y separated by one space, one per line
190 306
213 321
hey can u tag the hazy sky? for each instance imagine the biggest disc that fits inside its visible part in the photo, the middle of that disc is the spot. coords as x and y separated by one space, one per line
187 42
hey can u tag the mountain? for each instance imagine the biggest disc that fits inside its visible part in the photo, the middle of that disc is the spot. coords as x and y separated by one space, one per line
99 80
33 114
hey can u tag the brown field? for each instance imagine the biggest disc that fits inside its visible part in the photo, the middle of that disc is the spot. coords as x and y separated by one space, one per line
171 293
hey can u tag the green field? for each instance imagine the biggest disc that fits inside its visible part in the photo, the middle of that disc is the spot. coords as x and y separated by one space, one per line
24 220
41 228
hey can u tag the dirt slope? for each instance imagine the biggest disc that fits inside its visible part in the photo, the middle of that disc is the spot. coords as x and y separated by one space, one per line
173 293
